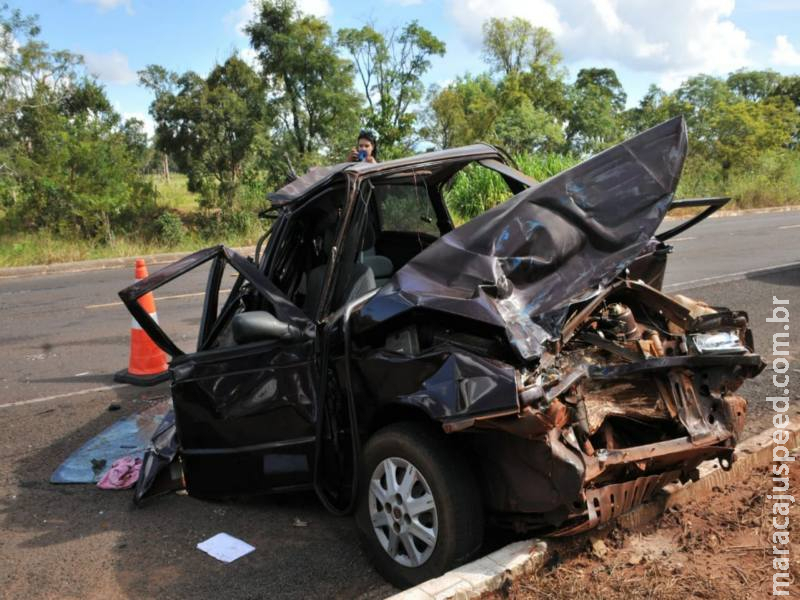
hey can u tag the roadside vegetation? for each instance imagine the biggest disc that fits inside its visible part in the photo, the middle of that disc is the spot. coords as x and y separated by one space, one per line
77 180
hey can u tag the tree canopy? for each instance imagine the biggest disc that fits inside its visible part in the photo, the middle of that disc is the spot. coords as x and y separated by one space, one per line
70 164
390 69
309 86
209 126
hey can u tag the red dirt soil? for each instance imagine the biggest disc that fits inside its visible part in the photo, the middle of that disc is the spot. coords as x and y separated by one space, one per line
718 548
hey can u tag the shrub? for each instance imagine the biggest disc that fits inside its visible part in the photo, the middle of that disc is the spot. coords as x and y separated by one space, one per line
229 227
772 179
169 229
476 188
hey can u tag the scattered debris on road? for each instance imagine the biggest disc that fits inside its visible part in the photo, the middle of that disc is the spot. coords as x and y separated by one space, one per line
225 548
123 474
129 436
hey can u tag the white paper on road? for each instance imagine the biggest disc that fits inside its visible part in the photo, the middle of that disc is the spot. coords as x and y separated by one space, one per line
225 547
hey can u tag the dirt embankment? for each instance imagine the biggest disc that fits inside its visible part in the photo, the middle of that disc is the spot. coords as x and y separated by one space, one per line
717 548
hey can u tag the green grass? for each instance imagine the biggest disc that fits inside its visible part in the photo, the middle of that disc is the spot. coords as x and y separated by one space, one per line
42 248
773 180
199 231
173 193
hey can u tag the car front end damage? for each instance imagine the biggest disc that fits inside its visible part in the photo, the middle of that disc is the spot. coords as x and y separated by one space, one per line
545 345
637 393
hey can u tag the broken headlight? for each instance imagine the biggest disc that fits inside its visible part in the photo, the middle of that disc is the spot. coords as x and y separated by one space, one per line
717 342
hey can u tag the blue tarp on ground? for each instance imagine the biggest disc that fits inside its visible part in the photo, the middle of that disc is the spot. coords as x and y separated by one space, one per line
127 437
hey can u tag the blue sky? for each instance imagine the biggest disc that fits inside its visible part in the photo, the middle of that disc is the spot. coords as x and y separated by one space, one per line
646 42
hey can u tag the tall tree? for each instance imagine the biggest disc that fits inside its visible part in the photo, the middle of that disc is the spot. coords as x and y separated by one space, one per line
463 112
789 87
744 131
310 87
697 99
597 100
522 108
524 127
210 126
68 162
523 124
754 85
390 69
511 46
655 107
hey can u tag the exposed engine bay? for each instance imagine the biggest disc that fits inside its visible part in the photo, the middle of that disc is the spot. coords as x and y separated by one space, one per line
640 390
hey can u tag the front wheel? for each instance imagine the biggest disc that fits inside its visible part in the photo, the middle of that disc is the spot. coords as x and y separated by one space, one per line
419 512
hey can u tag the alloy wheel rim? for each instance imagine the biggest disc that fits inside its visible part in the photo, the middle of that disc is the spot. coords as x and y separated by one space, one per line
403 512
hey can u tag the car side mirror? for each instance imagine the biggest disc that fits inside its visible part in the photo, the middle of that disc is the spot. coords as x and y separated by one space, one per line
260 326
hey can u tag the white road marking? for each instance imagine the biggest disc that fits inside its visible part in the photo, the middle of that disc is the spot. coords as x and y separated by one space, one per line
108 305
103 388
158 299
683 239
789 226
729 276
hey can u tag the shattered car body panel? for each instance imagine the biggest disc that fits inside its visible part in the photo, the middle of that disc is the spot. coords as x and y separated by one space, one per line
522 263
535 336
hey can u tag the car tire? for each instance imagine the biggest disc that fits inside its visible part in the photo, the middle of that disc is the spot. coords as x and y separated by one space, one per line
456 516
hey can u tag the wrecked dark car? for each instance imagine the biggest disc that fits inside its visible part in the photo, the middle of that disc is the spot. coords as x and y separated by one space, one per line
523 369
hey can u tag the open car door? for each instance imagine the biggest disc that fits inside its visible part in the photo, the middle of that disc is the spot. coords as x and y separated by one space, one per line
244 404
709 205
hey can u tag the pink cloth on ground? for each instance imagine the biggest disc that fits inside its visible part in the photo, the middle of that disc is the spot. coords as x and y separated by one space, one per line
123 474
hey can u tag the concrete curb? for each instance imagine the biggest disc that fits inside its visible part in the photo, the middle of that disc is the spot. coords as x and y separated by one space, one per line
743 211
483 575
100 264
491 572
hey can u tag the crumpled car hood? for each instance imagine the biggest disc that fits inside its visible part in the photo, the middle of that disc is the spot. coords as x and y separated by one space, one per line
521 264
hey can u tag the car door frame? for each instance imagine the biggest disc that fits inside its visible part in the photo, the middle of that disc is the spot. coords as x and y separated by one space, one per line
220 469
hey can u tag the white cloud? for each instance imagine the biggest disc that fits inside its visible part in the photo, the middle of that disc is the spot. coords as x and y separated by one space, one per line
240 17
249 56
785 54
111 68
469 15
106 5
670 39
318 8
149 124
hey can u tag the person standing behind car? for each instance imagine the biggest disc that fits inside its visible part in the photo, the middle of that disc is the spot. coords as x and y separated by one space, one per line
367 150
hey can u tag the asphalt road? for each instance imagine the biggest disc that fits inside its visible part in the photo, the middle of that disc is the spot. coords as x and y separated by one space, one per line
61 335
721 247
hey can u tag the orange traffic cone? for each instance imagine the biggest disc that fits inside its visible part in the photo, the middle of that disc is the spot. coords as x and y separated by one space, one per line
148 363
